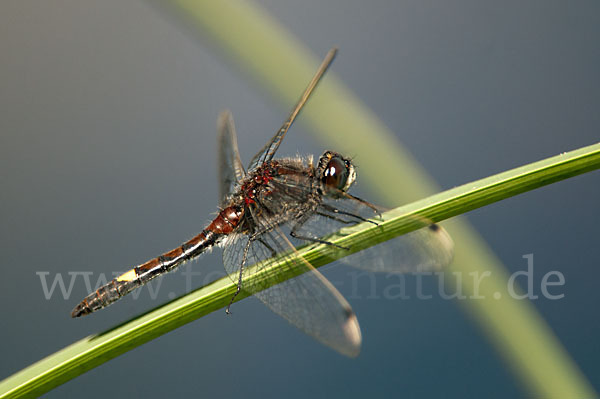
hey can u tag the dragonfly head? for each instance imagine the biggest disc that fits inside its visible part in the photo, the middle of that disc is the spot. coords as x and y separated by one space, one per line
337 173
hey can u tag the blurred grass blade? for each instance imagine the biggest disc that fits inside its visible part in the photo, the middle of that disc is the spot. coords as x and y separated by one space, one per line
92 351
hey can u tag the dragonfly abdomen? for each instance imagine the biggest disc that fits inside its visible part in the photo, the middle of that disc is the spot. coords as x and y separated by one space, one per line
120 286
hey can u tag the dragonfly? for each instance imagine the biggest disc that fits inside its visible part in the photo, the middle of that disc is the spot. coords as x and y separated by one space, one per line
268 210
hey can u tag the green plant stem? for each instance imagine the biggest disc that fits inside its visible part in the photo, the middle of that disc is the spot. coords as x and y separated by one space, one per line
97 349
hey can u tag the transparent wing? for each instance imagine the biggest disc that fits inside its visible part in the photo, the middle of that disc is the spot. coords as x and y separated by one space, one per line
267 152
307 301
429 248
231 169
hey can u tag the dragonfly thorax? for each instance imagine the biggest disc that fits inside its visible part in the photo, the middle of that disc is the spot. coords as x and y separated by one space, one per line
256 183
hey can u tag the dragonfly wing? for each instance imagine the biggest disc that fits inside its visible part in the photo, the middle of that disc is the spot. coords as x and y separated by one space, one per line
267 152
427 249
308 301
231 169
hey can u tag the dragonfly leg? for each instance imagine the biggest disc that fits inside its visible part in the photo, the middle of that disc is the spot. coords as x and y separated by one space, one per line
367 203
337 219
298 224
270 248
339 212
239 283
316 240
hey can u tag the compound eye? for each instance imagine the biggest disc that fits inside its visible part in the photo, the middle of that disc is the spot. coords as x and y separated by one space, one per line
336 174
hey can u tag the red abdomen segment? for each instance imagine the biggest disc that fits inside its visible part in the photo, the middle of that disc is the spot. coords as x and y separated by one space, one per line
225 222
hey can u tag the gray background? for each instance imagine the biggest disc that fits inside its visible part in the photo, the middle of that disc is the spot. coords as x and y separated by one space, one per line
107 153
